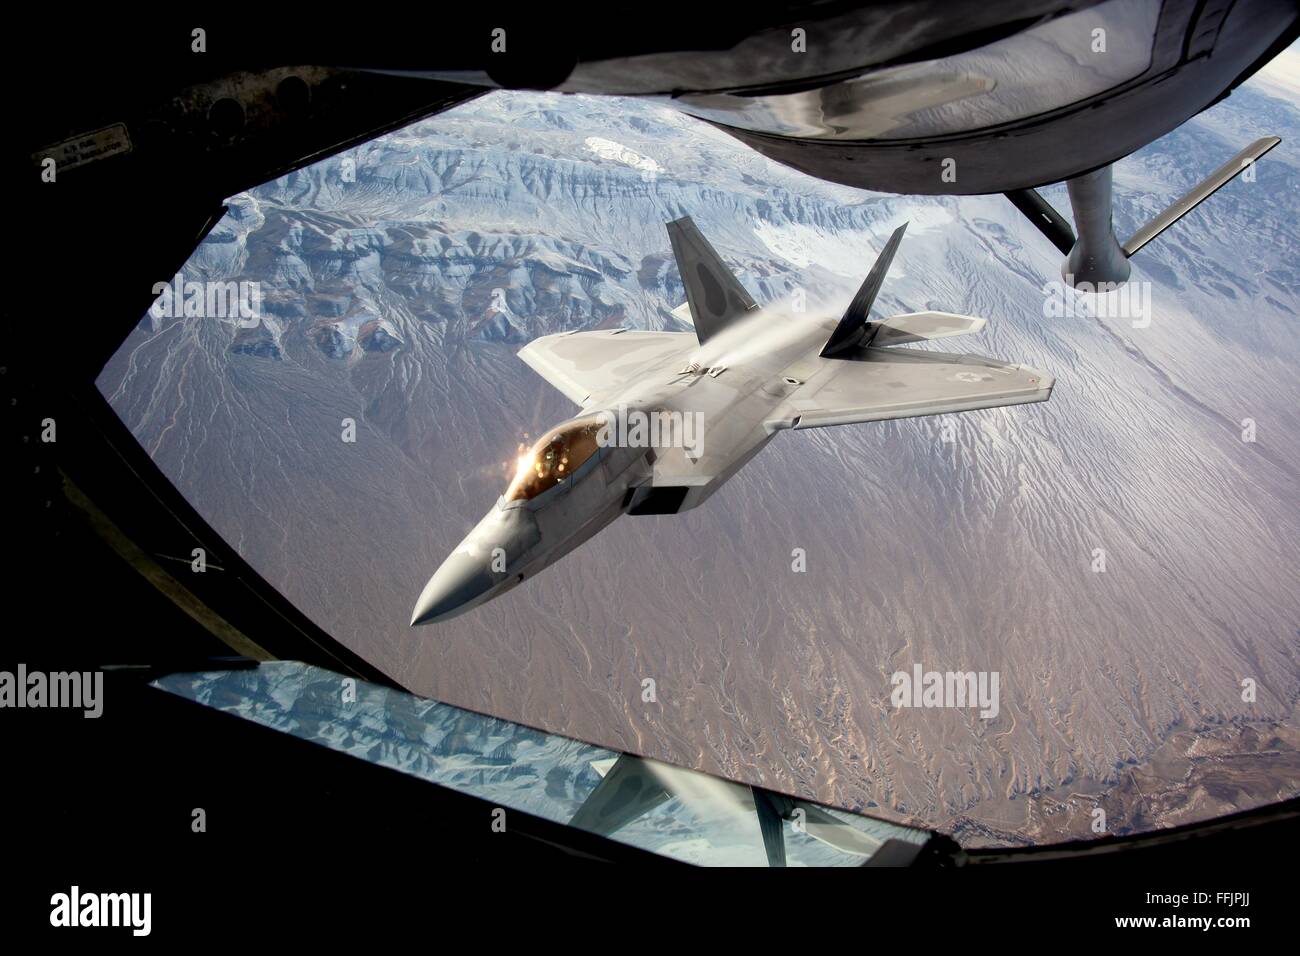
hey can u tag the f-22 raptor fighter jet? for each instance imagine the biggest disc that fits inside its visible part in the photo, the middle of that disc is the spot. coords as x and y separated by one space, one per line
668 417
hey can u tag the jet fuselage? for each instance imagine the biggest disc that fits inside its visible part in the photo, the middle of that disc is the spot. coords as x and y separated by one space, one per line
668 417
729 386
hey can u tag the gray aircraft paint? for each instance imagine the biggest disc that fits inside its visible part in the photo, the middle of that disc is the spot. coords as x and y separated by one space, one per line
751 373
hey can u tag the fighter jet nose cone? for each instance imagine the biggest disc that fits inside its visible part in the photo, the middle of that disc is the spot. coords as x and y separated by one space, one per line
454 587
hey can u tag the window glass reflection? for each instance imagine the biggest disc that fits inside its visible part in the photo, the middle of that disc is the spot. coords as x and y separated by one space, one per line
556 456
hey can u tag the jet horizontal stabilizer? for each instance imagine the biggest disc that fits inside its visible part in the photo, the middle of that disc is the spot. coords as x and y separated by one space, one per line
853 330
924 326
715 296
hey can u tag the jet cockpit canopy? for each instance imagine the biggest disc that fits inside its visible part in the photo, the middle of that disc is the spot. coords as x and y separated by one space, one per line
555 456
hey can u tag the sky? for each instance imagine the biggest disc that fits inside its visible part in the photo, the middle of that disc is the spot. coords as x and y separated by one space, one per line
1282 74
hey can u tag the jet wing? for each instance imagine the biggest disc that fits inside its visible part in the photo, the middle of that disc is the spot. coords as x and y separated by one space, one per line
882 383
584 365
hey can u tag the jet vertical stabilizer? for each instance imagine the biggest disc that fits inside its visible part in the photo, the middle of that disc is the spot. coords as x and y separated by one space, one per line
850 332
715 295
